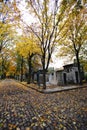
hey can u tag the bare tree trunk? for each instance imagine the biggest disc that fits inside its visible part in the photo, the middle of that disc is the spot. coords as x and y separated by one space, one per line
79 70
44 79
21 69
44 72
29 70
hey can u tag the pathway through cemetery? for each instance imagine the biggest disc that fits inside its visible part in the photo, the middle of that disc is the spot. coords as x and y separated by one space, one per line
22 108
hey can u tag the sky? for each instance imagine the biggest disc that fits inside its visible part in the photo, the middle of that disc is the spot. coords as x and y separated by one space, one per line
25 14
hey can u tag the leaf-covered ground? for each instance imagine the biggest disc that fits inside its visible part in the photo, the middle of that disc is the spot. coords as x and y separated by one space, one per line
22 108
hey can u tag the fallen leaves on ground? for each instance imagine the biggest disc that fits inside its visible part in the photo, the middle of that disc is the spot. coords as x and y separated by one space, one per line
23 107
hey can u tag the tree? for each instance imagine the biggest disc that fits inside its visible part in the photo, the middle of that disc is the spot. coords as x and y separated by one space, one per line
9 19
76 31
9 15
9 11
6 35
49 16
27 48
19 65
4 62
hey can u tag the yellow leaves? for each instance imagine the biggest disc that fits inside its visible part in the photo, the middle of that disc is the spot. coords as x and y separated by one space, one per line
15 6
3 27
11 69
6 32
27 45
84 109
11 126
